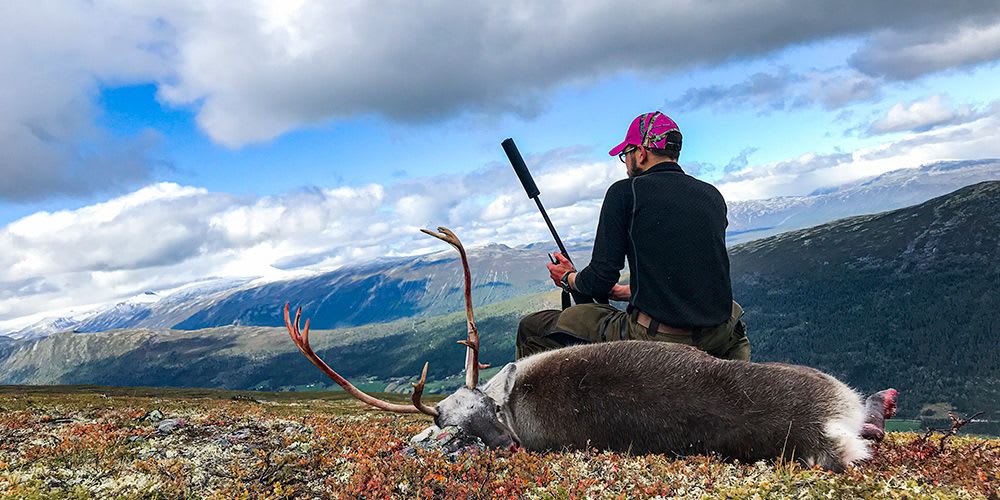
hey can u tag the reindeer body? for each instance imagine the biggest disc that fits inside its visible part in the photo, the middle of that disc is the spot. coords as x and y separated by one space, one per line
655 397
645 397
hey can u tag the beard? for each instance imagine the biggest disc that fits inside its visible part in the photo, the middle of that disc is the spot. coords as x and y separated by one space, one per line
632 167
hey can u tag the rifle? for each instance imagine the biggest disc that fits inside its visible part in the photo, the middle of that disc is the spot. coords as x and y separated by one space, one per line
532 191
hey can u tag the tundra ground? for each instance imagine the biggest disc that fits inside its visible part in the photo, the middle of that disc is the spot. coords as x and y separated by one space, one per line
100 442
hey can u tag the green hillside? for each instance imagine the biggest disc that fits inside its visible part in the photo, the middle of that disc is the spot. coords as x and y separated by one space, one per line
908 298
265 358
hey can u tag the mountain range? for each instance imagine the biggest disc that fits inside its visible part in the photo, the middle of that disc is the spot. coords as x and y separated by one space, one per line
385 290
898 188
908 298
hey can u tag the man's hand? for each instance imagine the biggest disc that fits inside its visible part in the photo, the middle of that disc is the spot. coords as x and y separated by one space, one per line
556 271
621 293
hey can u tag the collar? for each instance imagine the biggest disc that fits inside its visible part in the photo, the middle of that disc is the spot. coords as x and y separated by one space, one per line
666 166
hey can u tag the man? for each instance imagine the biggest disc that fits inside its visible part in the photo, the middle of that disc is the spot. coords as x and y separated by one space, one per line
672 229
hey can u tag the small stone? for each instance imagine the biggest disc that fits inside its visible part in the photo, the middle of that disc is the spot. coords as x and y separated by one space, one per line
299 446
451 440
153 416
239 434
425 434
167 426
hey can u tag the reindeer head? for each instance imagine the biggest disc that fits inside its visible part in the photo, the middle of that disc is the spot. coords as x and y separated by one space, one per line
481 413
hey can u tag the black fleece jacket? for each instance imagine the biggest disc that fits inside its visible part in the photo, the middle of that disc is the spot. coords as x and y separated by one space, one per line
672 229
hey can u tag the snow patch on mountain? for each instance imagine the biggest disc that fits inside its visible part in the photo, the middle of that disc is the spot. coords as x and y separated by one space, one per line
753 219
499 271
148 309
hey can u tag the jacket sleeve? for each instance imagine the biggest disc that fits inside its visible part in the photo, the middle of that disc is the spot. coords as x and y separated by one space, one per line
610 244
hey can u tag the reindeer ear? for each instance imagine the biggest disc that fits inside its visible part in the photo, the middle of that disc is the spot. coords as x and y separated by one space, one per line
498 388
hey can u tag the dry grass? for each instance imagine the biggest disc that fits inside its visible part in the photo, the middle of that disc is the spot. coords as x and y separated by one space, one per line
95 443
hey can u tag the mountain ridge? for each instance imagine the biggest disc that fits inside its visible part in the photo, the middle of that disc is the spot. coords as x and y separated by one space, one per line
365 292
907 298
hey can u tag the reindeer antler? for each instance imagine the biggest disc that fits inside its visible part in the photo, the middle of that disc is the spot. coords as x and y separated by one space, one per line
418 390
472 365
301 339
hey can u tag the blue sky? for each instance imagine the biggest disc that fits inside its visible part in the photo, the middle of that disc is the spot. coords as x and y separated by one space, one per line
151 144
588 117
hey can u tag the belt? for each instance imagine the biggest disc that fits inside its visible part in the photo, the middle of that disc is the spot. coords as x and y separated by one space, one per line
646 320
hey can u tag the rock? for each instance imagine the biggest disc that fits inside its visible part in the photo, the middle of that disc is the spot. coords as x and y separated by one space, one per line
239 434
425 434
152 416
451 440
299 446
169 425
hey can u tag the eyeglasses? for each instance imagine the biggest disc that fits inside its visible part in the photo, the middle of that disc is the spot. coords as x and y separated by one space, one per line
625 152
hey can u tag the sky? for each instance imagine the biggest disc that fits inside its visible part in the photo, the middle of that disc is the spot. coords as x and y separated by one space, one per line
144 145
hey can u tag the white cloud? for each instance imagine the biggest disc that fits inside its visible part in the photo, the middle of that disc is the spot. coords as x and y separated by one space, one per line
919 116
418 209
974 138
500 208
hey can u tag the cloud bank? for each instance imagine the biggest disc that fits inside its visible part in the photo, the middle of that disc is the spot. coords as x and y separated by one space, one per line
165 234
909 54
54 57
254 70
261 69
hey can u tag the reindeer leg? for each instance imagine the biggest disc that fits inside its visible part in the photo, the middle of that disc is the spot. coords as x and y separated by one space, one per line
878 407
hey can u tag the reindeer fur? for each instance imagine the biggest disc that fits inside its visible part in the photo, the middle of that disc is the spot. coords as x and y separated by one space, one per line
656 397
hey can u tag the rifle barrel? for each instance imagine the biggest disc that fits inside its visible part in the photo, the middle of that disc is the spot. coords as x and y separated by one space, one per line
552 229
531 190
522 171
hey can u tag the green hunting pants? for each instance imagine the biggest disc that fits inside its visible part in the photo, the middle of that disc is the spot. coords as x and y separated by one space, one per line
588 323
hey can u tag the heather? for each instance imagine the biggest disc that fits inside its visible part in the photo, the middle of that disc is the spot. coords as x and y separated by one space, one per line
97 442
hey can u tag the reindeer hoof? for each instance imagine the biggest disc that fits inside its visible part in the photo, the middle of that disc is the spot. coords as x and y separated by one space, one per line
871 432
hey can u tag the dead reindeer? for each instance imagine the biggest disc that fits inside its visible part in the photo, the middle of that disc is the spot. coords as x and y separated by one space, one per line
646 397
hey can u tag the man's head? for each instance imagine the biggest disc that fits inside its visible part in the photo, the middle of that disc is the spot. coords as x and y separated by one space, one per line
651 138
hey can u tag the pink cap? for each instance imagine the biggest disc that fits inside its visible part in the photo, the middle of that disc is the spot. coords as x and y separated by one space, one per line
648 130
